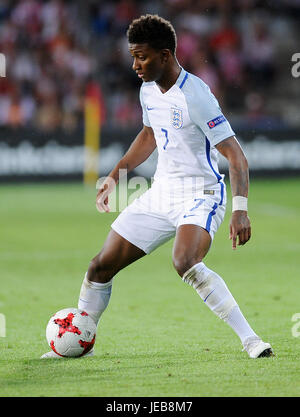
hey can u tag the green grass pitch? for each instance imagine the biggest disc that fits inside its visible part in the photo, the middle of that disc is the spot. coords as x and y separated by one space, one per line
156 338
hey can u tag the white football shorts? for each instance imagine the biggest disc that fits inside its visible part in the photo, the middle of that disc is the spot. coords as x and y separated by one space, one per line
153 218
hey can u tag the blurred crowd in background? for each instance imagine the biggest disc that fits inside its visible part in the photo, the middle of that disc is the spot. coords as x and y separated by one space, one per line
56 49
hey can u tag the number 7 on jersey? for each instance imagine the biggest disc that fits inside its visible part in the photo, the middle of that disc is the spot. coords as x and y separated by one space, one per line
167 139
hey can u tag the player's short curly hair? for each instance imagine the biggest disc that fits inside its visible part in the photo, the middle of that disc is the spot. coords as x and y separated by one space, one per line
153 30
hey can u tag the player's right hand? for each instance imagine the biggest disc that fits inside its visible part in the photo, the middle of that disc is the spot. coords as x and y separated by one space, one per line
102 195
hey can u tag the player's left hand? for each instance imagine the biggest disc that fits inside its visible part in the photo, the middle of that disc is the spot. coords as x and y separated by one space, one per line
239 228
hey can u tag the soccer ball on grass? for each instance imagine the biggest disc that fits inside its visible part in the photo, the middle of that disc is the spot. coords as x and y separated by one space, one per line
71 332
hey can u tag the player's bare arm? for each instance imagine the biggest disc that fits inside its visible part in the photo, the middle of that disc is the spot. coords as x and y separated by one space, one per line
239 182
140 150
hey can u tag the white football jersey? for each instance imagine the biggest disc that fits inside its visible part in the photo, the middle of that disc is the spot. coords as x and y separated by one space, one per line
187 122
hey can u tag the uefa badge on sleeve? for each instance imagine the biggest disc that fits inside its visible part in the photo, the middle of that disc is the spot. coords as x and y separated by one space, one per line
176 117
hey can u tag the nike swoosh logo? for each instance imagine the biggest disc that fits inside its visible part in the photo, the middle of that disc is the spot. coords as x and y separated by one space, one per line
150 108
188 215
209 295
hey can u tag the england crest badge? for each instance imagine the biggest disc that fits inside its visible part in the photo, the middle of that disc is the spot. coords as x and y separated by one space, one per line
176 117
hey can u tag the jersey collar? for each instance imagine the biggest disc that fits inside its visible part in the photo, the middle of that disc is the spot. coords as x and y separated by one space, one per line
182 78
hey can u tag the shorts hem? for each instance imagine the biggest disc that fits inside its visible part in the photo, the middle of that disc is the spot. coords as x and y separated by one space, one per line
210 232
129 239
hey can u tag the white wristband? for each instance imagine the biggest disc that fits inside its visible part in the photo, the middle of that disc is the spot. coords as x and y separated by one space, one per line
239 203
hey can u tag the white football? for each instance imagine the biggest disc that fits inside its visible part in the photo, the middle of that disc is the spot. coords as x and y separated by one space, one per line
71 332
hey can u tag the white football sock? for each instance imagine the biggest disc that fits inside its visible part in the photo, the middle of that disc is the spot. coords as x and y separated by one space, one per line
216 295
239 324
94 297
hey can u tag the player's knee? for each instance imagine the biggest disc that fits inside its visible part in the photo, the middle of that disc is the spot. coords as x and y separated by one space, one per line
184 262
100 269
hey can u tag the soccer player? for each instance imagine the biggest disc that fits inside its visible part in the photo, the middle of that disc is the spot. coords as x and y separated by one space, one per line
183 120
